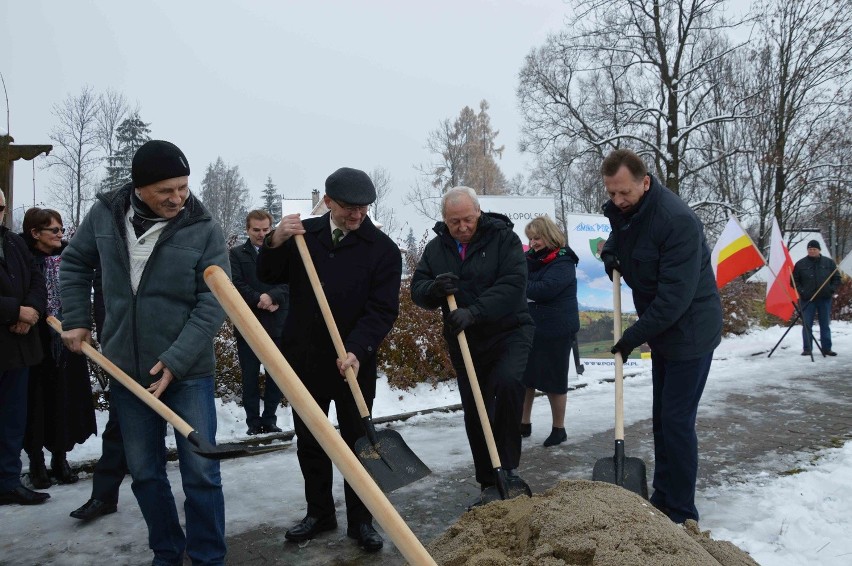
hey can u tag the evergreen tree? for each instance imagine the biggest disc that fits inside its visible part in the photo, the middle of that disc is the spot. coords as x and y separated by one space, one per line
130 135
272 200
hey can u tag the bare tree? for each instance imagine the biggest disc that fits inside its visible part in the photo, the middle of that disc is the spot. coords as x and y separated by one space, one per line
112 110
627 73
382 211
75 157
226 196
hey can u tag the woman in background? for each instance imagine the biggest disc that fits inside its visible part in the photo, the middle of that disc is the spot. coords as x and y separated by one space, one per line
60 407
552 299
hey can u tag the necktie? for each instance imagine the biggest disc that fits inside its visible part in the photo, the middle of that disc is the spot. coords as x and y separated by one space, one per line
462 250
336 236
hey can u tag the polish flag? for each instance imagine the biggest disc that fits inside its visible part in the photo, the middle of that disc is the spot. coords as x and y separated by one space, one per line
780 293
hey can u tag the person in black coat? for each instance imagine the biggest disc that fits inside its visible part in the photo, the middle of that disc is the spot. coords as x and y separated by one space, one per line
657 244
476 257
23 301
817 278
552 300
60 411
360 269
269 304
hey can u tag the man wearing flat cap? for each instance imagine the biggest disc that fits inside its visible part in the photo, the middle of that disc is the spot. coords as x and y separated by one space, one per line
153 240
359 268
817 278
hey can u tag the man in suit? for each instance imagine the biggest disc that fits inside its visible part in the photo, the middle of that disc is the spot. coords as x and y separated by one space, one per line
360 269
269 305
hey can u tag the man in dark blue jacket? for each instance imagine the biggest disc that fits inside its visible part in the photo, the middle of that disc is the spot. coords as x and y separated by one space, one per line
23 300
817 278
269 304
658 245
359 268
477 258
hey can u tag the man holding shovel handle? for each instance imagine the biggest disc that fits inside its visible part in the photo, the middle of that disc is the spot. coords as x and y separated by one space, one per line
359 268
479 259
657 244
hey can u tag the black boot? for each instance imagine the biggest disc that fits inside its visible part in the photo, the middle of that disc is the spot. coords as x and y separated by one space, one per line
61 470
38 472
557 436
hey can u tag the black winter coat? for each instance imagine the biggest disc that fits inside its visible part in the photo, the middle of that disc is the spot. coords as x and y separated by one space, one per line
361 279
243 260
666 262
492 281
21 284
810 272
552 291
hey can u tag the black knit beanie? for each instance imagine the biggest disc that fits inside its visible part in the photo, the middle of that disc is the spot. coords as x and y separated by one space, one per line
156 161
814 244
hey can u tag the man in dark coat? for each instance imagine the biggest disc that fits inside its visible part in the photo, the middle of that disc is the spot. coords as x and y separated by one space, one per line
479 259
657 243
360 269
269 304
23 300
817 278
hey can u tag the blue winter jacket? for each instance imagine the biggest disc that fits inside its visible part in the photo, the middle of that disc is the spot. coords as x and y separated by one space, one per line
173 317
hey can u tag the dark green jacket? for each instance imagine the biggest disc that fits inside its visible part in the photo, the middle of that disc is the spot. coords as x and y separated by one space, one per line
173 317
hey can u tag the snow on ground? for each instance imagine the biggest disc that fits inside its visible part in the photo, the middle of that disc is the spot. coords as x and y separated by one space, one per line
781 521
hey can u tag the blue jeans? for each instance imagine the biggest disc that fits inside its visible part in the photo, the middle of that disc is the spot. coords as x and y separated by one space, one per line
250 368
822 308
13 422
677 386
144 443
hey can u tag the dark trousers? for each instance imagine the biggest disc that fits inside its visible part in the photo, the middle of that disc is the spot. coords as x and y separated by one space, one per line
500 372
250 368
316 465
820 309
13 423
112 465
677 386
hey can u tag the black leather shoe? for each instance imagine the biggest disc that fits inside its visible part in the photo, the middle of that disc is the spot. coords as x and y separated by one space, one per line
557 436
830 353
23 496
256 429
367 537
38 475
309 527
526 429
806 352
63 472
270 428
93 509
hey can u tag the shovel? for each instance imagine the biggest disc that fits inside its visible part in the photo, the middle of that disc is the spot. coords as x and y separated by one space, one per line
628 473
508 487
314 418
200 445
384 454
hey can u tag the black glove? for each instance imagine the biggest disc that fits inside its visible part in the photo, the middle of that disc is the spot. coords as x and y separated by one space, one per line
444 284
459 319
610 262
625 350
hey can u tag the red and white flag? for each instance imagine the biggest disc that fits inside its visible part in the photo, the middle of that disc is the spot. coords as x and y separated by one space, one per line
780 293
734 253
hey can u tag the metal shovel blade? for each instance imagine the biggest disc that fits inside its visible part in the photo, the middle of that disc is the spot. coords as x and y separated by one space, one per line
203 447
629 473
390 461
512 485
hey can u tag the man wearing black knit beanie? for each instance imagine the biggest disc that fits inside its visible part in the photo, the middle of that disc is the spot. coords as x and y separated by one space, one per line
153 241
817 278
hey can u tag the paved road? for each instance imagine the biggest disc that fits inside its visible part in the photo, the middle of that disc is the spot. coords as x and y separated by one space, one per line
765 431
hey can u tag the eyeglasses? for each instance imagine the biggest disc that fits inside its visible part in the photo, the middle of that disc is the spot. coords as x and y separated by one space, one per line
54 230
2 207
352 208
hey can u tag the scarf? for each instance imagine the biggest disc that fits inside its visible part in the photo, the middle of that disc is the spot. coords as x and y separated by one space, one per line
143 217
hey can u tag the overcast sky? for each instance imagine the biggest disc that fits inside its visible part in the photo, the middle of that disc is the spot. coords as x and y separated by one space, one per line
288 89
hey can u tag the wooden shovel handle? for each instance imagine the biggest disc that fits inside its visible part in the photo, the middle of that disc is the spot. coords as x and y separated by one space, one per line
131 384
313 417
477 394
351 378
619 362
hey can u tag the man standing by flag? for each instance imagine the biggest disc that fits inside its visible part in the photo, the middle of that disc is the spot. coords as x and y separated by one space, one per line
817 277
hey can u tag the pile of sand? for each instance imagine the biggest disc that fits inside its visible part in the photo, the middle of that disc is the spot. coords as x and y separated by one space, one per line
579 523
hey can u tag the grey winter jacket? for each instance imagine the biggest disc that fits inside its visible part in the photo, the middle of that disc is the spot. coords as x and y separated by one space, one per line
666 262
173 317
